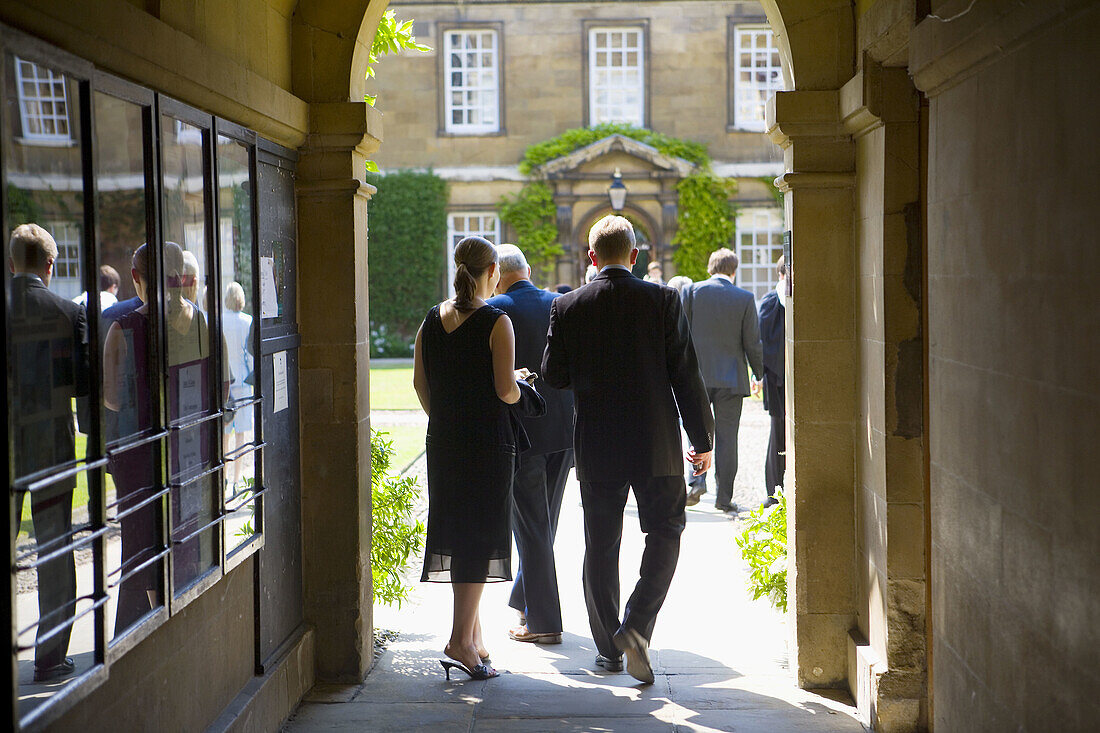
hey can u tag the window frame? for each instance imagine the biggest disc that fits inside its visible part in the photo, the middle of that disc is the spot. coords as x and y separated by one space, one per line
443 76
737 25
589 26
449 249
65 139
776 214
91 81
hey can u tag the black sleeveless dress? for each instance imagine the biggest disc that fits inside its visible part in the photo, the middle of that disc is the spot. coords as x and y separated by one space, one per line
471 450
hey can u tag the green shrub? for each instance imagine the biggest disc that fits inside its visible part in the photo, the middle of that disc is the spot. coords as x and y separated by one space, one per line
396 534
407 260
763 544
705 221
532 213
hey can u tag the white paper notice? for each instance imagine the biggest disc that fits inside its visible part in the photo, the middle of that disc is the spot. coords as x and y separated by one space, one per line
269 299
190 390
278 361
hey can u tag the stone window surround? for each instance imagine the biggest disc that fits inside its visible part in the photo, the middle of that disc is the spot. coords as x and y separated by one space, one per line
733 22
441 74
587 26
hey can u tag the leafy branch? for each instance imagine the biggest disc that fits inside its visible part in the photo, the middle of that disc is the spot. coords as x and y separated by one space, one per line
763 544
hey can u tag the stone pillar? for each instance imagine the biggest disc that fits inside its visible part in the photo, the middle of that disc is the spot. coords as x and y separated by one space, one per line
334 377
821 368
880 111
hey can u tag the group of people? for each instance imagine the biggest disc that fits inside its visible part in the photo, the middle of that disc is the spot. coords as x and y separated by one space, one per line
521 384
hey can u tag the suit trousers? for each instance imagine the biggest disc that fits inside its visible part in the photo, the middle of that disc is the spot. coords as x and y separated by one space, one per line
661 502
537 491
53 529
776 462
727 404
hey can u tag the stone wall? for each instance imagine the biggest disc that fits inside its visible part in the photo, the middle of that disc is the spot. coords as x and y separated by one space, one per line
1013 265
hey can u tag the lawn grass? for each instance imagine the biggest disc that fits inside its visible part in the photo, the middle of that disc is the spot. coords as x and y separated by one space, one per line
391 388
408 442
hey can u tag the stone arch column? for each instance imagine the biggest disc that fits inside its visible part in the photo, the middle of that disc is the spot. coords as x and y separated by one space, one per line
331 42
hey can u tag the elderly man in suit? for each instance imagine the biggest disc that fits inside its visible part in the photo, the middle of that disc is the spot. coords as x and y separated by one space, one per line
49 351
624 348
726 331
542 469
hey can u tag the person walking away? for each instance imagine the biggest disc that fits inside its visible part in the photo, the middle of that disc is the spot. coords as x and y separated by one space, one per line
772 324
624 348
542 469
726 331
463 375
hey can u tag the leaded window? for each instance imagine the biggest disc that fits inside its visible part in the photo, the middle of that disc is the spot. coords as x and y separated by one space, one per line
43 103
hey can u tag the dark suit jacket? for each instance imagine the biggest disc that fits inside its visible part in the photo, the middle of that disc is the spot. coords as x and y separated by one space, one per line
624 348
49 352
726 332
529 309
771 337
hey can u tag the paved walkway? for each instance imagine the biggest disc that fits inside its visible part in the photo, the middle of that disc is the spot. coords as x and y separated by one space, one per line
720 658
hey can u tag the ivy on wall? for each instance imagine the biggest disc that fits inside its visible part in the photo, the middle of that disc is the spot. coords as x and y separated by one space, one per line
408 232
705 220
532 214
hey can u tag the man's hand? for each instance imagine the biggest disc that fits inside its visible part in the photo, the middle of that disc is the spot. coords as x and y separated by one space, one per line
701 461
754 386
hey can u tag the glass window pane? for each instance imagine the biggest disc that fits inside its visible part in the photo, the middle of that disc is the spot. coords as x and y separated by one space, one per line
191 376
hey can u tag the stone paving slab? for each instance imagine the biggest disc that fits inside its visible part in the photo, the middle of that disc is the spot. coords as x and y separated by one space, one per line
720 658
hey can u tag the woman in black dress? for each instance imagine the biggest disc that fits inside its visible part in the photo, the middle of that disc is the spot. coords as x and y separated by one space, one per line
464 377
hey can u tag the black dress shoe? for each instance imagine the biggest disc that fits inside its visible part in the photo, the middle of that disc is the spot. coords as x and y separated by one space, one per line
770 501
695 494
728 508
611 665
56 672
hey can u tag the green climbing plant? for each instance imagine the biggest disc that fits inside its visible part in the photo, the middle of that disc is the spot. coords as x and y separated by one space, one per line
763 544
705 221
570 140
397 534
532 214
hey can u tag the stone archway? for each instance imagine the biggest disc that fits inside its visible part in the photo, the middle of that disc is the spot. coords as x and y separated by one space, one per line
331 40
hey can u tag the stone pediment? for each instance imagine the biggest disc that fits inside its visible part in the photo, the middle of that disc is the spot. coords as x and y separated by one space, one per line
573 162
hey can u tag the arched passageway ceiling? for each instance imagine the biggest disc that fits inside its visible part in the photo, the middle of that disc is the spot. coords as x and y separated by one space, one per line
816 40
331 42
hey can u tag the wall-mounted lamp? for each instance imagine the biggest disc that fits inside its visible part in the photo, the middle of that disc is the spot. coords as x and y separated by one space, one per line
617 191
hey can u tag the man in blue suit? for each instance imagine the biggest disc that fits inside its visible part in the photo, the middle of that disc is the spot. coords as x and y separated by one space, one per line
772 316
541 470
725 328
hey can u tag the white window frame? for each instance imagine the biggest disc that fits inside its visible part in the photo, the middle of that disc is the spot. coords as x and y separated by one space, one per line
462 224
32 113
759 240
756 82
611 79
65 280
479 86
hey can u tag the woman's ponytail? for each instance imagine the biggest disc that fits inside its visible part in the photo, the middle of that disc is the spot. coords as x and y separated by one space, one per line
473 256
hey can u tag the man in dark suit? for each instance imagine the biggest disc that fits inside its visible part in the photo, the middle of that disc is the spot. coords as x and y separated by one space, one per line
772 317
726 331
49 347
542 469
624 348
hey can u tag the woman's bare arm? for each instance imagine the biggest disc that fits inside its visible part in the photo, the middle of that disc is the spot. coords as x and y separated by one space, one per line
502 342
420 377
114 352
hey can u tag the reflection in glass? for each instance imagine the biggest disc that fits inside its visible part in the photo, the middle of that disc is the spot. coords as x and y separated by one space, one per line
190 366
48 377
235 227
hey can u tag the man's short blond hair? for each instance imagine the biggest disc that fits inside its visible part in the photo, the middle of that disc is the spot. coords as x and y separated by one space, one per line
31 248
611 238
722 262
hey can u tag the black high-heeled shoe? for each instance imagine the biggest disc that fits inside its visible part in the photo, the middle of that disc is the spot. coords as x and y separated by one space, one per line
480 672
